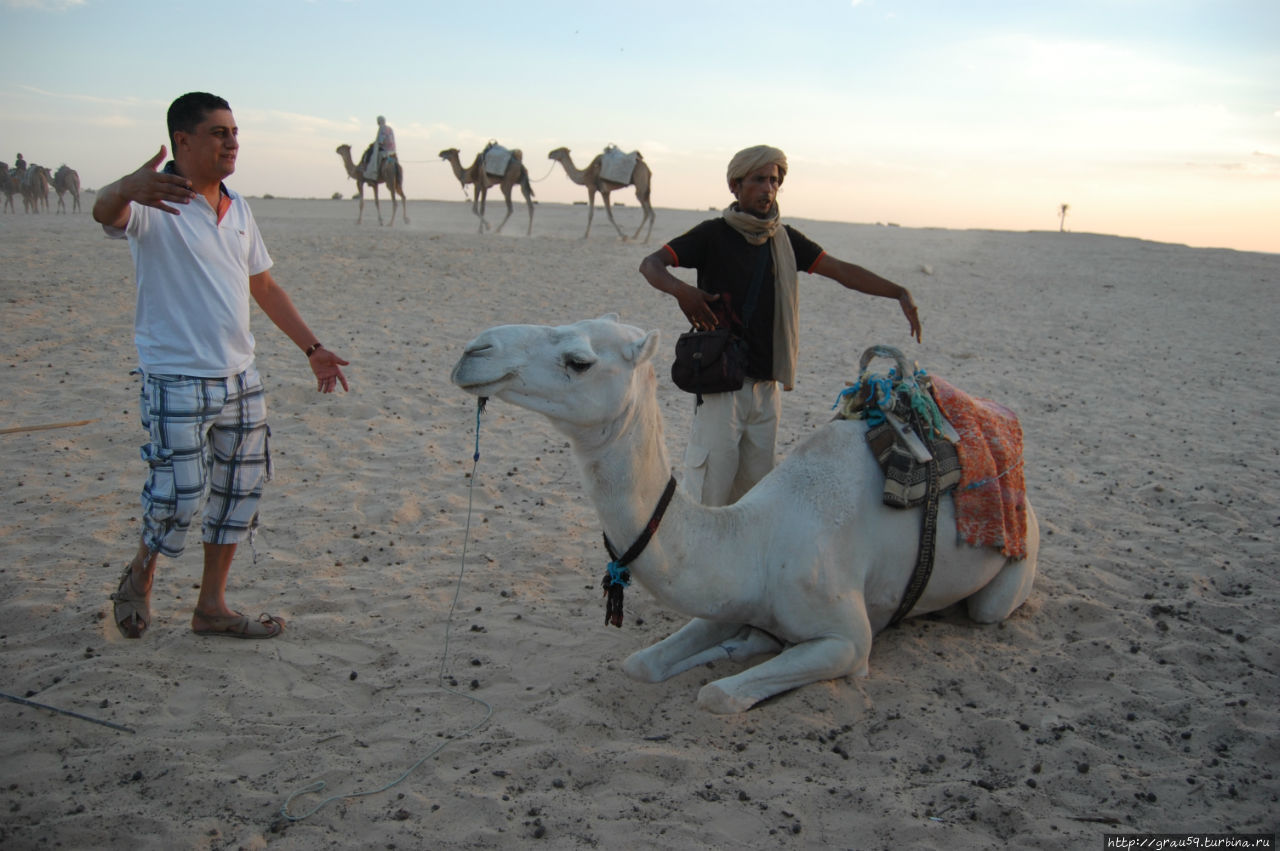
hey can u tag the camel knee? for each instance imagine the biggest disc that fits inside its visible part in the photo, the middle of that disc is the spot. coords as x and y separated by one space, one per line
720 701
749 643
641 666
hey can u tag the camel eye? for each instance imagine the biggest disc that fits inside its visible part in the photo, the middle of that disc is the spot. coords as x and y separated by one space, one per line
577 365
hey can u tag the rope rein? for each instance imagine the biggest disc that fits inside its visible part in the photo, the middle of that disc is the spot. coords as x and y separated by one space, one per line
319 785
545 176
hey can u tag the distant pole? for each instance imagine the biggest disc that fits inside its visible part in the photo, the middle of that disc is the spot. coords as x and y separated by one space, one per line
1062 217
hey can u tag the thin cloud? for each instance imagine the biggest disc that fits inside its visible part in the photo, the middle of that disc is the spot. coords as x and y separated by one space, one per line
73 96
43 5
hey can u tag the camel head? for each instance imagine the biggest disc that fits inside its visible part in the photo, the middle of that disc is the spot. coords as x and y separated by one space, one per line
449 154
344 151
559 154
579 376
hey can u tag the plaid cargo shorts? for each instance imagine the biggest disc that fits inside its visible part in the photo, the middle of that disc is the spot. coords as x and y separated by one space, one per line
208 438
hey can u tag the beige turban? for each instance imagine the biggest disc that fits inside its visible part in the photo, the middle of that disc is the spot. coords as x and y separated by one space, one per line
749 159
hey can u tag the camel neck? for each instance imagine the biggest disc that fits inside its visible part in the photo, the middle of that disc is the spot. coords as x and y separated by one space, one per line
576 174
630 450
642 540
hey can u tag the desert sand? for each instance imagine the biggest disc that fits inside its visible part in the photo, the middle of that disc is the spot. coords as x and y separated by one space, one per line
1136 691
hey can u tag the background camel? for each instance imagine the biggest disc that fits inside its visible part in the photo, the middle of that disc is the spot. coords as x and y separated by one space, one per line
809 564
476 175
66 180
390 173
591 179
35 188
9 186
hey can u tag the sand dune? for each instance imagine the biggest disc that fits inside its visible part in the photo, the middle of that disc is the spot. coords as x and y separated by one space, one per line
1136 691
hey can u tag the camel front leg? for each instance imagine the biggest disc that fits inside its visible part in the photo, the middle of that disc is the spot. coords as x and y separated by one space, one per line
404 203
506 195
608 208
647 217
591 210
477 205
696 643
842 650
376 205
808 662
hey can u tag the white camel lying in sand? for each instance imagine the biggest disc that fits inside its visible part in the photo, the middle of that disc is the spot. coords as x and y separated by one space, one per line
809 564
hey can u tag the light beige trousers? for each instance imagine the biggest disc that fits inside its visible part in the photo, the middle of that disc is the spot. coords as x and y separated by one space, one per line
731 443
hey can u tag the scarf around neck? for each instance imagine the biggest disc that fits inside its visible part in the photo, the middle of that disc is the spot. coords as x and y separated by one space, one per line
786 338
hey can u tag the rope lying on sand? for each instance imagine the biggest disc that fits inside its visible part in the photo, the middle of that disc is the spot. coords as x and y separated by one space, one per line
67 712
45 427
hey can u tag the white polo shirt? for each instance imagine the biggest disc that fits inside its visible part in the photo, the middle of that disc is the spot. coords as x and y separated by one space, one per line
192 314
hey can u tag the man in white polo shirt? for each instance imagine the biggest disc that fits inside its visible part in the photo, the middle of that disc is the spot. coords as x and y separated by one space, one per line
198 258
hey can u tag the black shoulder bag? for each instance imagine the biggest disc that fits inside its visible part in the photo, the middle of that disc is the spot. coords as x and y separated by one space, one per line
715 361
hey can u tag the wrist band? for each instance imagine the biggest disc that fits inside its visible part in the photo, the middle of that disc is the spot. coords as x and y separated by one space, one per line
312 349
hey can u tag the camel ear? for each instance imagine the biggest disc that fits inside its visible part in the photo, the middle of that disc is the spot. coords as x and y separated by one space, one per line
610 317
645 348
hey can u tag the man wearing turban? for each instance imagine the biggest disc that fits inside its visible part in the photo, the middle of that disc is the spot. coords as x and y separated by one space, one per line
747 262
384 148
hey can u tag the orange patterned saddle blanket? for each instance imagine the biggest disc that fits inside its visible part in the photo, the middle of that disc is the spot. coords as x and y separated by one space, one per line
991 506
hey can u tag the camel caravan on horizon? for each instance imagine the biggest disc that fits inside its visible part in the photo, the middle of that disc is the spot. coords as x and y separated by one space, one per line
33 181
503 167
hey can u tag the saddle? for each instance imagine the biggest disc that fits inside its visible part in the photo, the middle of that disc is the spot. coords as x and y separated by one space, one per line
921 426
907 432
913 443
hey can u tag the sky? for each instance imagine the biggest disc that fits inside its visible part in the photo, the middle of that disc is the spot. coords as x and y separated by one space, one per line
1156 119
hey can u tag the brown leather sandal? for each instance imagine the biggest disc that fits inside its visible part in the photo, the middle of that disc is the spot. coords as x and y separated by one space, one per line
239 626
131 610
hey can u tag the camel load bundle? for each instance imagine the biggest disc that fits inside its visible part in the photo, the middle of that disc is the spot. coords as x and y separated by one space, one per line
617 167
496 159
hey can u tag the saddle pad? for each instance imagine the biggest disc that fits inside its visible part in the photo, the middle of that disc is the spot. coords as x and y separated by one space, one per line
496 160
617 167
906 480
991 507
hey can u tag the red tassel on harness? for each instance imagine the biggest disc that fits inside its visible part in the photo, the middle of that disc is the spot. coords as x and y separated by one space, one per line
613 604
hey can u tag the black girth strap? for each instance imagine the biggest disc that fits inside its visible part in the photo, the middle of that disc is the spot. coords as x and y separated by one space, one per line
928 538
617 577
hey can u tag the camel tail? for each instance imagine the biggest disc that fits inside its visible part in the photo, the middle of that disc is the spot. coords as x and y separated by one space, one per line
525 184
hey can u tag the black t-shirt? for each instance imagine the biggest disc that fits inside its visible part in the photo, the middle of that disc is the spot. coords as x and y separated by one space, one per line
726 264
